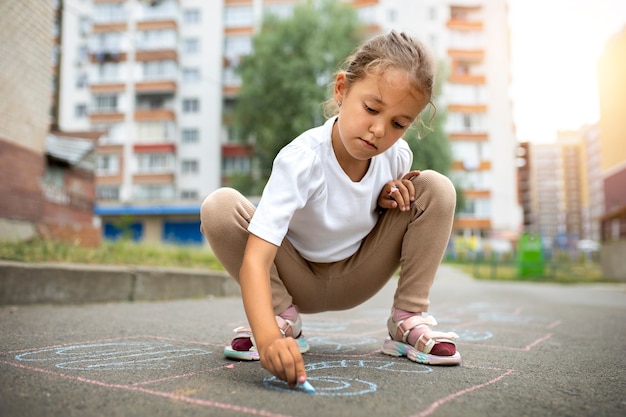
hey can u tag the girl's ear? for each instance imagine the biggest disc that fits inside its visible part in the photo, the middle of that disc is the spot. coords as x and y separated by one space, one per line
341 87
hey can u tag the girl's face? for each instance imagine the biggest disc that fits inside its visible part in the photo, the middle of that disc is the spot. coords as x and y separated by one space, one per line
375 112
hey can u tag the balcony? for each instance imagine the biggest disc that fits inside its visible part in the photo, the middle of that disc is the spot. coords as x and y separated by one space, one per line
465 25
156 87
106 117
475 79
157 55
105 56
106 87
161 114
467 108
472 55
465 18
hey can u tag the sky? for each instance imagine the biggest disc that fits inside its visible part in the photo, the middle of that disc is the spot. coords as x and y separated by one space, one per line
555 46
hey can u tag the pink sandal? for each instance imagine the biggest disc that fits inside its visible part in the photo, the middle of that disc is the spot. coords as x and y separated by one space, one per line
243 346
397 344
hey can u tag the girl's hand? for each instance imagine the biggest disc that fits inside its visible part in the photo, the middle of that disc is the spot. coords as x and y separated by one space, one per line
398 193
283 359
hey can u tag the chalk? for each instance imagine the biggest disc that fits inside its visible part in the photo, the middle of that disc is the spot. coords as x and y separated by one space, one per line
307 387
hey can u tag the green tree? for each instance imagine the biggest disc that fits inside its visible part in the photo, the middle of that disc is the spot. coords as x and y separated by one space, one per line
429 141
286 78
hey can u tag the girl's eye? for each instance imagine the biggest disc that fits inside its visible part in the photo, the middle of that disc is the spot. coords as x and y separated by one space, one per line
369 109
398 125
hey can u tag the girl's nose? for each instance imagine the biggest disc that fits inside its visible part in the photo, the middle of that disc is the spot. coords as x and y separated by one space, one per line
377 128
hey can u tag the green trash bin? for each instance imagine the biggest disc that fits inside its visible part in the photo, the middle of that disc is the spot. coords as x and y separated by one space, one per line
530 261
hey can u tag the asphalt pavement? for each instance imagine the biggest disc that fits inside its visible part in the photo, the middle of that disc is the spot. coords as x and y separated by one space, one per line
529 349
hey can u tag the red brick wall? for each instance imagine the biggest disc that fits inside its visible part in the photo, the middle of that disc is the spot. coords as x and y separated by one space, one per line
72 220
21 171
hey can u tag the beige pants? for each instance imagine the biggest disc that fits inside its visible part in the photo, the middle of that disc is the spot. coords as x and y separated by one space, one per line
414 240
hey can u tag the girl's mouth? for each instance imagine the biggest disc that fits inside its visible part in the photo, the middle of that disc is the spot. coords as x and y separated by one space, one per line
368 145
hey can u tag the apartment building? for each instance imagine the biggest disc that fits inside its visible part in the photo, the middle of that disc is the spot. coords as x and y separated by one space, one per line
148 73
612 89
561 188
471 37
159 77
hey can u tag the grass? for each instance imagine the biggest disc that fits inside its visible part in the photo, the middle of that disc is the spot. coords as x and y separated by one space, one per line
565 272
111 253
129 253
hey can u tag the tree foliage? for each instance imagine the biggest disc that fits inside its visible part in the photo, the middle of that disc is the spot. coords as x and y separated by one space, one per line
286 78
430 143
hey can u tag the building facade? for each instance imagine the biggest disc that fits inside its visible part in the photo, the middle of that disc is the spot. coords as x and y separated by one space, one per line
160 78
25 88
612 91
148 73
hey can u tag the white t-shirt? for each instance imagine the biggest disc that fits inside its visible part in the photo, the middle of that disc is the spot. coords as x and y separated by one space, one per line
312 201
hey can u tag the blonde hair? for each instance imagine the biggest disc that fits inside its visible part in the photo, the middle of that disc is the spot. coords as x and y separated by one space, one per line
391 50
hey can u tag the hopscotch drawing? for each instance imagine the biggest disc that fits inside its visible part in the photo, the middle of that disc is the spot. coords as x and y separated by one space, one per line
112 356
344 361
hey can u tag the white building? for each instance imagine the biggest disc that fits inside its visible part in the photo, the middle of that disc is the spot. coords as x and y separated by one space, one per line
149 73
159 76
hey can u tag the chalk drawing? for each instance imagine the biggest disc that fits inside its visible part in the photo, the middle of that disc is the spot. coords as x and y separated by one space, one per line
339 344
332 385
325 327
112 356
468 335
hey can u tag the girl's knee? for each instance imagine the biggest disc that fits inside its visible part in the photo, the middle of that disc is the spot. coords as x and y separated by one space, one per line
437 188
215 206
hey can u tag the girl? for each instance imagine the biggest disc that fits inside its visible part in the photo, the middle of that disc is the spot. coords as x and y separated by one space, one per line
340 213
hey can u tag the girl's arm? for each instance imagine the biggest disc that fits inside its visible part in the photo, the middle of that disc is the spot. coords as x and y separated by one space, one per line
279 355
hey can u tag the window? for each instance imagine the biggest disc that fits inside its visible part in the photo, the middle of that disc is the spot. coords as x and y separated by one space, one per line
106 42
107 165
191 16
109 12
238 45
191 45
156 39
150 163
155 132
392 15
151 102
189 166
231 165
282 11
191 75
83 53
159 70
189 195
105 103
190 136
367 14
238 16
84 26
191 105
82 80
159 10
432 13
107 72
108 192
154 192
80 110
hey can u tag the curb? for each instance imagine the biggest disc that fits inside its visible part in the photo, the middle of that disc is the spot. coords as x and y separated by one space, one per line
48 283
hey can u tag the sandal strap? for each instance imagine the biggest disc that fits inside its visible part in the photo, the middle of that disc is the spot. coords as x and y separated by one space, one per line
400 332
401 329
289 328
429 338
